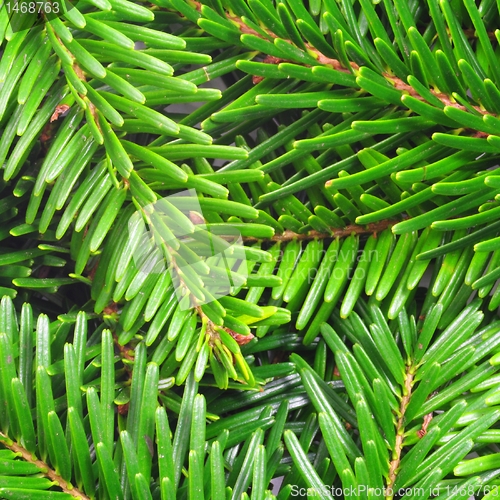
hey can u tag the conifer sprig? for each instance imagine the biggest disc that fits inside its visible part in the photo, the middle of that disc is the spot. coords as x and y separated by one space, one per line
335 162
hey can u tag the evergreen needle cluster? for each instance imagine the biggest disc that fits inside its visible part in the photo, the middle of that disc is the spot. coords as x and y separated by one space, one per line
249 249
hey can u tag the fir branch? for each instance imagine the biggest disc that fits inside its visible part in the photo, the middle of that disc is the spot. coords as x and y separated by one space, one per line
44 468
398 83
396 454
288 235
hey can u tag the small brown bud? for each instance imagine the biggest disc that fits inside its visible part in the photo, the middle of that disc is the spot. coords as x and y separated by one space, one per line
240 339
61 109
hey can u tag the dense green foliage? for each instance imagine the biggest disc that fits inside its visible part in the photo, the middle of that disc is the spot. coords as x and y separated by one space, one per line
353 146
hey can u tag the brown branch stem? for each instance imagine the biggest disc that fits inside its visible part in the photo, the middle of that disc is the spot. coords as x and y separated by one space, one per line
44 468
288 235
396 454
